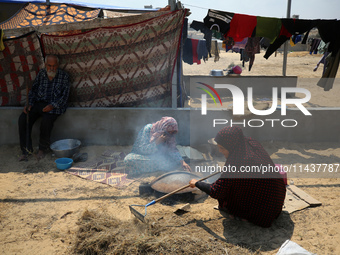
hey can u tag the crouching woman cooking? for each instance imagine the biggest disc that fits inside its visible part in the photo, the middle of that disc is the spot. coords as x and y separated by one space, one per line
250 196
155 149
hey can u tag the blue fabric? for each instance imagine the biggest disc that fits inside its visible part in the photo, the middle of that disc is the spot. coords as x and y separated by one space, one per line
297 38
187 52
53 92
199 26
202 51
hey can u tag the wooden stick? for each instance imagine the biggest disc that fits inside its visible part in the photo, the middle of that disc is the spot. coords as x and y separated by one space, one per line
184 187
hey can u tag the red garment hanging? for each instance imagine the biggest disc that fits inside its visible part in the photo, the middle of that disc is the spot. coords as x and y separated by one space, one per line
241 26
194 51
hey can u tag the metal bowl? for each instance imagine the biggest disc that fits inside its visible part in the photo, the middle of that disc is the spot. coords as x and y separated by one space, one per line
65 148
216 73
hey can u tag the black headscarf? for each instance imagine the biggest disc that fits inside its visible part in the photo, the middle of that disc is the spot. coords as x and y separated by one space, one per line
243 151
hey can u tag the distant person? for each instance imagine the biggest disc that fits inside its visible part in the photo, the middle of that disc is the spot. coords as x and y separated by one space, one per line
255 197
48 100
155 149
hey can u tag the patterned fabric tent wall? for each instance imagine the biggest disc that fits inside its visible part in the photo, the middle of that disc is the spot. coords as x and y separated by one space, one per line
34 15
127 66
20 63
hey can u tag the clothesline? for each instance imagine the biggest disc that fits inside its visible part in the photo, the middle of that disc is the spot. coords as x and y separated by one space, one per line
204 8
239 26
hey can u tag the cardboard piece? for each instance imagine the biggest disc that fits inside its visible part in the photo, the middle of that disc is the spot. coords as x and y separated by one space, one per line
293 203
304 196
297 199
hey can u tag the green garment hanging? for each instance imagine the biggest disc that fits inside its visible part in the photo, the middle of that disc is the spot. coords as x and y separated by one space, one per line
268 27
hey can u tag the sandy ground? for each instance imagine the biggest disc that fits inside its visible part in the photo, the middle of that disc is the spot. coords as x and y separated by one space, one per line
41 207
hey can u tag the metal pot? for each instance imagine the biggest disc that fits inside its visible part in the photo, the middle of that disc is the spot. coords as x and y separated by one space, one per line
216 73
171 181
65 148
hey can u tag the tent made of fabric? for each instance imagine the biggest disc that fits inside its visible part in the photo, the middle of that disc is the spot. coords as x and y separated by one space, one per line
114 14
9 8
36 14
94 5
109 66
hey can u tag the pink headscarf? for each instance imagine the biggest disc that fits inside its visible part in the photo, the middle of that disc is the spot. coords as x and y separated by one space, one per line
166 124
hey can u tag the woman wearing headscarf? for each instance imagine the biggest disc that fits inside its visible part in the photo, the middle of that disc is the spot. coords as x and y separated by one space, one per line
155 149
256 197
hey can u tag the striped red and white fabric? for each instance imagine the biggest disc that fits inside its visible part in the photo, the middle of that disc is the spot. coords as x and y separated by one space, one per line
20 63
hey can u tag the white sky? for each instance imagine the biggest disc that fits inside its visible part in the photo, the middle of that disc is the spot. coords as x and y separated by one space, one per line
307 9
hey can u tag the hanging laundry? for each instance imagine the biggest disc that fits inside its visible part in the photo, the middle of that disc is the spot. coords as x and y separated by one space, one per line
289 28
215 50
185 30
314 46
268 27
322 47
331 69
291 42
195 58
264 43
295 39
202 52
283 37
190 55
199 26
252 48
323 61
229 43
240 45
218 20
330 33
242 26
299 26
187 52
243 57
217 35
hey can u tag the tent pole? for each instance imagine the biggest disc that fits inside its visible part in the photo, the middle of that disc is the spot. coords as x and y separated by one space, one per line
174 85
285 48
172 4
